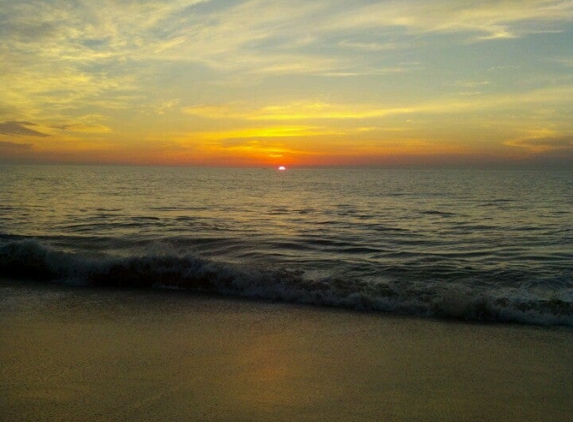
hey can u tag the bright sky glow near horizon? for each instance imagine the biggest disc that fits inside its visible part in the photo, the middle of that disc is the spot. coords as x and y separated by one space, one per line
294 83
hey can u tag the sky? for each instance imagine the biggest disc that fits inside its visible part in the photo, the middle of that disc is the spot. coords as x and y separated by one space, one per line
293 82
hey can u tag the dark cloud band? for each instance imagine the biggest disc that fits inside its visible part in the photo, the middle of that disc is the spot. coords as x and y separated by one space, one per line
20 129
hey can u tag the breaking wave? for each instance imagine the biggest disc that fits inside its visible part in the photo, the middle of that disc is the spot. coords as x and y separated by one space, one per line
32 260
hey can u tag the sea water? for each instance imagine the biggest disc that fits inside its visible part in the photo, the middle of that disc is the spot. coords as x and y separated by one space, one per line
468 244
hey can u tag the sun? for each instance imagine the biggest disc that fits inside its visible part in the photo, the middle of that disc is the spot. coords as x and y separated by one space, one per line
282 168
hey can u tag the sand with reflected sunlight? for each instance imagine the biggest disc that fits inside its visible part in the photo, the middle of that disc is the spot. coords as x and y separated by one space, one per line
95 355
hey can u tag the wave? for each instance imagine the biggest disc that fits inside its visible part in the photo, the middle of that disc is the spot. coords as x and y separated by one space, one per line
33 260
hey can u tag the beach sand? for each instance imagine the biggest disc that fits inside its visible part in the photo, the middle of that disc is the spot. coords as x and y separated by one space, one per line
82 354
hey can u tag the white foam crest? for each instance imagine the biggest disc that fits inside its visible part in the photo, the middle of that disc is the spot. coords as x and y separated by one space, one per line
162 267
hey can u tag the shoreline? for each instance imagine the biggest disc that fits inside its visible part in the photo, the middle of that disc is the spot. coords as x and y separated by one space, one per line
97 354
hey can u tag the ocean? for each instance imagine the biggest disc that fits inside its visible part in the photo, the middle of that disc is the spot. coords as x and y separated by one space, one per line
475 245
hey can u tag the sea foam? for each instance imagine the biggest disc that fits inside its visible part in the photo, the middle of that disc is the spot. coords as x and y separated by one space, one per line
33 260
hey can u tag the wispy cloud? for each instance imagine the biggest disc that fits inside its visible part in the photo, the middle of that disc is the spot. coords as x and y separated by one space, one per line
486 19
14 146
255 36
568 61
303 110
267 132
20 129
544 143
317 110
370 46
81 127
221 34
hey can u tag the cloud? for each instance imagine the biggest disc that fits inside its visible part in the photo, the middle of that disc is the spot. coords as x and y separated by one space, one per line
244 35
330 38
544 144
567 61
81 127
216 111
90 50
488 19
263 132
318 110
14 147
369 46
20 129
301 110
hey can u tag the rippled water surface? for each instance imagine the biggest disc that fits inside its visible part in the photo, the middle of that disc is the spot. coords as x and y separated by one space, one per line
494 245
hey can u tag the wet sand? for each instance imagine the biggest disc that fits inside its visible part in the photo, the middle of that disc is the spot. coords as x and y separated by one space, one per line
77 354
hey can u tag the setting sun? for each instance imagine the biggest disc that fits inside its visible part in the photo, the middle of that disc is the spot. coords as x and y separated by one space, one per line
282 168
